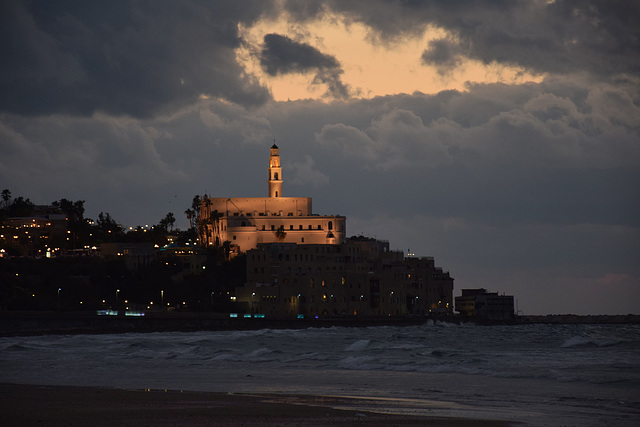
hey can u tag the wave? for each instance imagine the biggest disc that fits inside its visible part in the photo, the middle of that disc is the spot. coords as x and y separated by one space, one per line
581 341
358 345
360 363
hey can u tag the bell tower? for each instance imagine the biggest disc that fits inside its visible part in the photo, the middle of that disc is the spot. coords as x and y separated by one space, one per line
275 173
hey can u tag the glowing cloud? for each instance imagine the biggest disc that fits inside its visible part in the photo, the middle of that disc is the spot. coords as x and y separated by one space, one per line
343 58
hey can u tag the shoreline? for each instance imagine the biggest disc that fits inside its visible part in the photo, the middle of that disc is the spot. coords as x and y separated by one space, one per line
27 405
71 323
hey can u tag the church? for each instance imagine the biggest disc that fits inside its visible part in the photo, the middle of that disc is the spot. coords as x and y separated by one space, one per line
248 222
302 264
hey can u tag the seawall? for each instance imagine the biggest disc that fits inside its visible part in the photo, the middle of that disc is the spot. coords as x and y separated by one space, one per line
42 323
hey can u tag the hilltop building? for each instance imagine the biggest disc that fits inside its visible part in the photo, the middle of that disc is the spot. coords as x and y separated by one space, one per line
248 222
302 264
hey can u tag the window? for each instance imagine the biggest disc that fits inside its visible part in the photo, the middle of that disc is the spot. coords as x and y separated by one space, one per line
291 227
330 225
273 227
234 237
275 176
300 227
302 240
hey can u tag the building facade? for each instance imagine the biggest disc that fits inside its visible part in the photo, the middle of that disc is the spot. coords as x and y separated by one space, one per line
248 222
358 277
43 233
480 304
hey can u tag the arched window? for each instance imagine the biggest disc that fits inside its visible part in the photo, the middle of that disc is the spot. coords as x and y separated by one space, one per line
276 194
275 176
330 225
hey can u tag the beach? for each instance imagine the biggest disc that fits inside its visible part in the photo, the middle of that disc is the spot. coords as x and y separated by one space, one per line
30 405
431 374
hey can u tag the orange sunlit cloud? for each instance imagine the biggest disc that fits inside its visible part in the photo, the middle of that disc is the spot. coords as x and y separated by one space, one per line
370 68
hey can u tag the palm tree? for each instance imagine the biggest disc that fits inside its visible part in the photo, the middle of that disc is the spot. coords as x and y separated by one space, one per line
190 215
6 196
214 219
280 233
170 220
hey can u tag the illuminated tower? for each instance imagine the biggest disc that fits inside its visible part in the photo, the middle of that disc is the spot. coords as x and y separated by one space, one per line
275 173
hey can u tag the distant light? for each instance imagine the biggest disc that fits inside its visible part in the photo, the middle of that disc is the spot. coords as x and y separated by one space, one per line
134 313
107 313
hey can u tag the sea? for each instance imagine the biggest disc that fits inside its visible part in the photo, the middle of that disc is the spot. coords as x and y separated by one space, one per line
535 374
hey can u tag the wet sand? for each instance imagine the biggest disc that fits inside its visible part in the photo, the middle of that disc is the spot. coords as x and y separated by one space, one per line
30 405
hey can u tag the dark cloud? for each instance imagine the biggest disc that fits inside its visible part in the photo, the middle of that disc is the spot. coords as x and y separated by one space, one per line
281 55
507 186
530 189
124 57
600 37
444 53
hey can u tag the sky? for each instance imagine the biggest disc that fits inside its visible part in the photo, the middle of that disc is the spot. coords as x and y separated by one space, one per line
500 137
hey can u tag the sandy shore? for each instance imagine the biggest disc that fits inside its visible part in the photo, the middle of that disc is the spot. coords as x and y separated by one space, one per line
28 405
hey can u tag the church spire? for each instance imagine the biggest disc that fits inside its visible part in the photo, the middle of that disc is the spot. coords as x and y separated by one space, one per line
275 173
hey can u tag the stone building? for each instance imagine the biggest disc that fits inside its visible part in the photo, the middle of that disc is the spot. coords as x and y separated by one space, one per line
359 277
480 304
248 222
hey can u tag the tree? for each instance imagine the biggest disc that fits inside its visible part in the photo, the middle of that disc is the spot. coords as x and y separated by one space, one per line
73 210
171 220
108 227
6 197
20 207
214 218
193 214
166 223
280 233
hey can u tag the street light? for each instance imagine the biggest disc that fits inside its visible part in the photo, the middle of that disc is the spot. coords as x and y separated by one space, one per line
117 291
59 289
162 298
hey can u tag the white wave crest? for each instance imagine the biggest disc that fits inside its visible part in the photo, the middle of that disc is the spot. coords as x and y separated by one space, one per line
358 345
